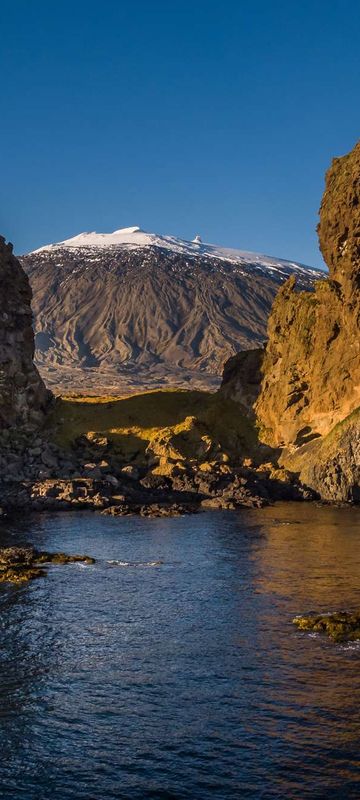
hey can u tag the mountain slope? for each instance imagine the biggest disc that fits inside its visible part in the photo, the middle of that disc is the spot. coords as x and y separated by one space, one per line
136 309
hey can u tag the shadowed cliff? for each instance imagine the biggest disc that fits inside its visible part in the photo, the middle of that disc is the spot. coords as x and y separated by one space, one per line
23 396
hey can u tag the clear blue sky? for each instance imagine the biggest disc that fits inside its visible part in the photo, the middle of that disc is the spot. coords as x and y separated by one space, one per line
208 117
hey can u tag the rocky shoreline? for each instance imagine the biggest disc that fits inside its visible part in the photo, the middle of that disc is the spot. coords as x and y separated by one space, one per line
38 475
22 564
286 418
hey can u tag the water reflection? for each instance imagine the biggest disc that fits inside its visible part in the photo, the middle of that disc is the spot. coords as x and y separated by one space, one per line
186 680
310 555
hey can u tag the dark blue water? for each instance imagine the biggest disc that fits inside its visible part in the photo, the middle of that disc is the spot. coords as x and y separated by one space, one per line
186 679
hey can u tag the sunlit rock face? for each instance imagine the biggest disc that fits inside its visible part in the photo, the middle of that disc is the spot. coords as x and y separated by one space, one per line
23 396
307 398
339 226
311 368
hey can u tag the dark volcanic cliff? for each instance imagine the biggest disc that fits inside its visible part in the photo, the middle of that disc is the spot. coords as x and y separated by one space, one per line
309 397
23 397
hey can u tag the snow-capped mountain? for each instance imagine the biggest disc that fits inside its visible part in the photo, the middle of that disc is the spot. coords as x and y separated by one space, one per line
134 239
131 307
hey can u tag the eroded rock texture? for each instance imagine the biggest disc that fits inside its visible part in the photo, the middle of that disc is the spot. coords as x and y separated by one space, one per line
339 226
242 378
23 396
309 397
311 369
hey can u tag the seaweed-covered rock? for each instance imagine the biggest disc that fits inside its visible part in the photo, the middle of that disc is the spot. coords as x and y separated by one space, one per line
340 626
21 564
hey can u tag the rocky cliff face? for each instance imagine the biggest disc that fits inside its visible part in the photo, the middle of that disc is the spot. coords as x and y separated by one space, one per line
23 396
310 390
339 226
311 369
242 379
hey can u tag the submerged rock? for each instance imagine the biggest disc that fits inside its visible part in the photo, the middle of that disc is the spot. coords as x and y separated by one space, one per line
21 564
118 563
340 626
151 509
168 510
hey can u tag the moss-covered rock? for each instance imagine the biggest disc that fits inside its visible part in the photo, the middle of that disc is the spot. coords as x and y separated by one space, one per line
21 564
308 394
340 626
331 464
311 368
162 430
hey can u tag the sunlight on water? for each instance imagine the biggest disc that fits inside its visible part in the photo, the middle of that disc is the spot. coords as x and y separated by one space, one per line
171 669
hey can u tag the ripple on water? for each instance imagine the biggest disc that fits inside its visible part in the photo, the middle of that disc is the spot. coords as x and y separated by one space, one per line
180 674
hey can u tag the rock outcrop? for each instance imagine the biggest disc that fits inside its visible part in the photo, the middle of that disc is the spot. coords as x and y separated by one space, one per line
311 369
23 396
339 226
22 564
340 626
310 389
242 378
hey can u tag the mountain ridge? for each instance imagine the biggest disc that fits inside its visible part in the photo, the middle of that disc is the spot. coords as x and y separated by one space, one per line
135 237
145 310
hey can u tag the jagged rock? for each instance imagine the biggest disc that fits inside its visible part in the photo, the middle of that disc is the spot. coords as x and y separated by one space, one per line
310 390
331 464
23 396
131 472
339 226
168 509
242 378
152 509
118 510
311 368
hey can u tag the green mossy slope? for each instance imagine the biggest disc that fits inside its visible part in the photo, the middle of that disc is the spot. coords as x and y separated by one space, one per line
176 425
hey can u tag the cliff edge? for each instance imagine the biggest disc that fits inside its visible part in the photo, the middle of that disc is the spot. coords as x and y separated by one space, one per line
23 396
309 393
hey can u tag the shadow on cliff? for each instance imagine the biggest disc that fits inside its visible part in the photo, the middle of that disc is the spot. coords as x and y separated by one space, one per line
174 424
